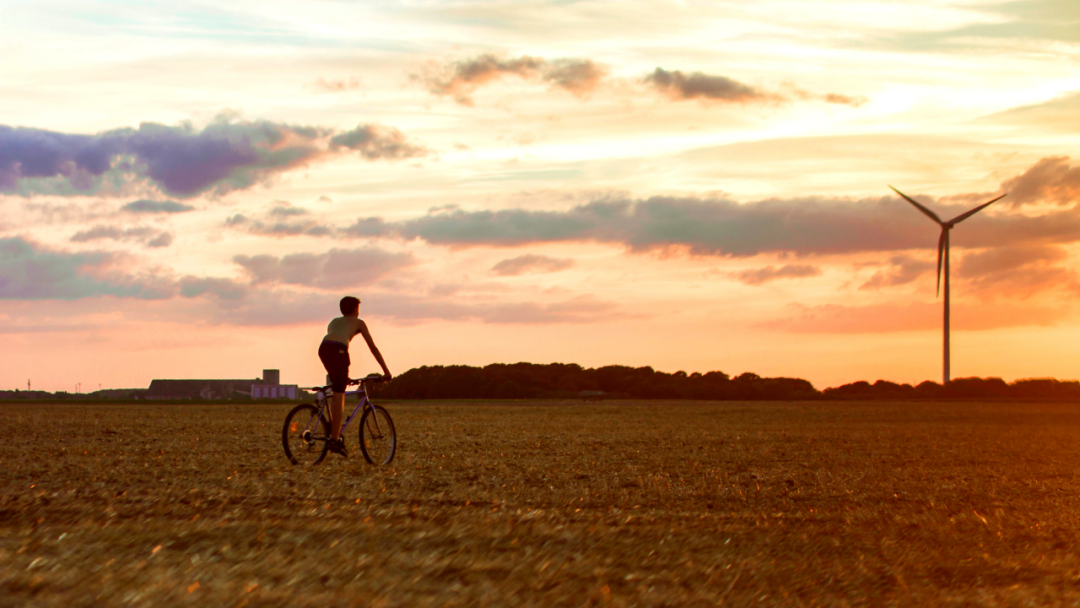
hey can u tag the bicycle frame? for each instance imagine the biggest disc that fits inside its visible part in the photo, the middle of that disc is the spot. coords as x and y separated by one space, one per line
321 394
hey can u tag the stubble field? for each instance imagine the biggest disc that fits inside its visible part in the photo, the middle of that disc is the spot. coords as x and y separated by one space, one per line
546 504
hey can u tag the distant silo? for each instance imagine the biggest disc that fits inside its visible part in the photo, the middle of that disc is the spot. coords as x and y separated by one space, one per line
271 376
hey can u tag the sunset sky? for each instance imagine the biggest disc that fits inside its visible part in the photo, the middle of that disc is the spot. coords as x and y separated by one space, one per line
188 188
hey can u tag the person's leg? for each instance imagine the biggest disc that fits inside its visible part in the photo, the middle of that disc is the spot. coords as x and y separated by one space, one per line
337 414
335 358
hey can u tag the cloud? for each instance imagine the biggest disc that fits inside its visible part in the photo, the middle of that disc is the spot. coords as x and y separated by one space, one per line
225 289
1010 271
368 227
162 240
286 210
181 161
996 261
375 142
151 237
530 264
410 309
460 79
265 308
1052 179
281 221
29 271
1005 23
49 213
579 76
113 233
1016 272
274 308
720 227
1059 114
698 85
759 276
339 85
901 270
145 206
847 100
337 268
886 318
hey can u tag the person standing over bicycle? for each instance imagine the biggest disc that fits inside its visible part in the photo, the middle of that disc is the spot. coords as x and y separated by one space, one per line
334 354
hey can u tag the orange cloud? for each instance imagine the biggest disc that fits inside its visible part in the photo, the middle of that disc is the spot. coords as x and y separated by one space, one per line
461 79
760 276
1051 180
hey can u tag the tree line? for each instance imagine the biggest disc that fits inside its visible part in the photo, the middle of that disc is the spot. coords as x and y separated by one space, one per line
569 381
958 388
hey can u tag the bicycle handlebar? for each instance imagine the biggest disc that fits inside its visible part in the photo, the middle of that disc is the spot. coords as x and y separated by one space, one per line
368 378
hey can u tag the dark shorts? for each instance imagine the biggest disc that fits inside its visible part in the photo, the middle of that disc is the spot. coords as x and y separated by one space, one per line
335 358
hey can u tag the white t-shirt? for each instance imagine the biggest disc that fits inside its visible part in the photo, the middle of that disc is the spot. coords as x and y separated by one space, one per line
342 329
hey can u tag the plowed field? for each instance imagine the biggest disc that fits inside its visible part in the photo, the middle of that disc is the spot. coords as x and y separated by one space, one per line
546 504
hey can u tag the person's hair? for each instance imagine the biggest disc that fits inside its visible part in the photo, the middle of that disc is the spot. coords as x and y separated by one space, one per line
349 304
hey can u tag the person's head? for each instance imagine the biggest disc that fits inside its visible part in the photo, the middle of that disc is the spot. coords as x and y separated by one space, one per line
349 306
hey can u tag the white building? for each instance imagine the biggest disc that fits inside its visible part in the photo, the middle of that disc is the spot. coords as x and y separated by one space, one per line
273 391
270 387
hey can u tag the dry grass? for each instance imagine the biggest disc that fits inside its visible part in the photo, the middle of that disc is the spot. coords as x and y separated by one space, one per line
541 504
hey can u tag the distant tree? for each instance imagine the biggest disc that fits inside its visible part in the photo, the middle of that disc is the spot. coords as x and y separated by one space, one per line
975 388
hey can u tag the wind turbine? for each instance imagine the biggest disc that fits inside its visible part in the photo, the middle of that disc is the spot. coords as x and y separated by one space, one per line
943 255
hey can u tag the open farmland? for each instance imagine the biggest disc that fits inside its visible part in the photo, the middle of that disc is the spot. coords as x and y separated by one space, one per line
546 503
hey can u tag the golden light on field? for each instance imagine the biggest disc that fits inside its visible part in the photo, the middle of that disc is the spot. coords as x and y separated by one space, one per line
515 504
681 186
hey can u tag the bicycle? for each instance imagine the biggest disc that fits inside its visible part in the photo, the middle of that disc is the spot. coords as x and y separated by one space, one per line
307 429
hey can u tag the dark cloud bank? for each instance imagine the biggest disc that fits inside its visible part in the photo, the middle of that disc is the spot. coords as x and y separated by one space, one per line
810 226
1024 248
181 161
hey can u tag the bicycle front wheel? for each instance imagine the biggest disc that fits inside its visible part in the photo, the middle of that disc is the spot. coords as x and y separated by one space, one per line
378 440
304 435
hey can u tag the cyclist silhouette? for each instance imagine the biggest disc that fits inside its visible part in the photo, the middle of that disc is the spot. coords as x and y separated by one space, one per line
334 354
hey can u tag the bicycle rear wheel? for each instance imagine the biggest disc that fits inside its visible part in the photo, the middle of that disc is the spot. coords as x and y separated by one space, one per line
378 440
304 435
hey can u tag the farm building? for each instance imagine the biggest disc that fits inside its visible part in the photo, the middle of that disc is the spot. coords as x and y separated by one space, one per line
273 391
269 386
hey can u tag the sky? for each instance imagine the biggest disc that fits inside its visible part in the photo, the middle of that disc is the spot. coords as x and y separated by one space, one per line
188 188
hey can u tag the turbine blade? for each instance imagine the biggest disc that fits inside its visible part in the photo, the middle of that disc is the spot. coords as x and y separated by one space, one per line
964 216
929 214
940 254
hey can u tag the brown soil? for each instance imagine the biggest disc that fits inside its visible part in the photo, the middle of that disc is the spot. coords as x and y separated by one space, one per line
546 504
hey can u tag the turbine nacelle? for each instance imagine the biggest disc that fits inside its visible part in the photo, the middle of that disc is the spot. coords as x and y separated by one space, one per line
943 240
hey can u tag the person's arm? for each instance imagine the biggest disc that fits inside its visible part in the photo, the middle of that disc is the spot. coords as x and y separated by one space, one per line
363 331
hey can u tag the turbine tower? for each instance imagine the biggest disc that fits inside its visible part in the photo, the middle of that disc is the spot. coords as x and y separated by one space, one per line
943 256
